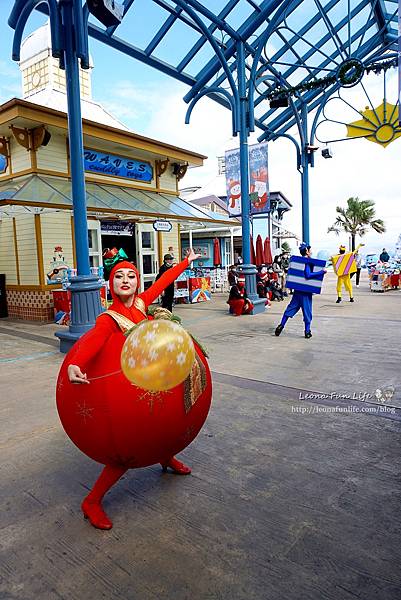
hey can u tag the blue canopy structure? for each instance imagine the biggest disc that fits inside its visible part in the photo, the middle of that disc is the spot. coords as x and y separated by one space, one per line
270 62
295 42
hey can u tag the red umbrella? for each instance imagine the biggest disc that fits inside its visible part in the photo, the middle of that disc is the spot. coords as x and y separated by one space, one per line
260 257
253 257
267 252
216 253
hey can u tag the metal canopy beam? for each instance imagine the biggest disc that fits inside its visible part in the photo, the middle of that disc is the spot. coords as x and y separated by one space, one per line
264 11
246 49
380 12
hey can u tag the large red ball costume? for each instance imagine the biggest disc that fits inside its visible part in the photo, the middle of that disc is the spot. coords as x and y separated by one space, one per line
113 421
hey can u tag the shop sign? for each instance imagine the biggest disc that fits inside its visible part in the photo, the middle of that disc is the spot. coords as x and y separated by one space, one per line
117 228
117 166
160 225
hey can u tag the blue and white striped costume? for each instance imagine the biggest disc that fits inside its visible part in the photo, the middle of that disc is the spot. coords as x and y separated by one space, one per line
305 281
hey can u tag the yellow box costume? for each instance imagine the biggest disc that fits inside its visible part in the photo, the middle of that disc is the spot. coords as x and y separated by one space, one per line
344 265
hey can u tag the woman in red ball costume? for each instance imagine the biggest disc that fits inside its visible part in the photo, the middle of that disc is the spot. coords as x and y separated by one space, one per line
108 419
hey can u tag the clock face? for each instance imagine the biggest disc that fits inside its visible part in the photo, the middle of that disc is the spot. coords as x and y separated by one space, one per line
35 79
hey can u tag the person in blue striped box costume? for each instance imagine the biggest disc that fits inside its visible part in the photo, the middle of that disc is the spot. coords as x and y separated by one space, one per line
305 282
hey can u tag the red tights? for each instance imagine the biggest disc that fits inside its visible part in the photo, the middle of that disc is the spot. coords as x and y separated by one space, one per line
92 504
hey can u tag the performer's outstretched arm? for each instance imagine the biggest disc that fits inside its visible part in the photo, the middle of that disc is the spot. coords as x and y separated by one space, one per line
309 274
167 278
164 281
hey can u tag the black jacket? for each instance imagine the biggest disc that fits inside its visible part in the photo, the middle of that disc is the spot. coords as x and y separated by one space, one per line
169 291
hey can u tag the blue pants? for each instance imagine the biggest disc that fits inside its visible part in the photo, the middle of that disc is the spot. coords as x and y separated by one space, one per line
303 301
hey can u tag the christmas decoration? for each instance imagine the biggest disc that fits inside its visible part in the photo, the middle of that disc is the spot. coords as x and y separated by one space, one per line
348 74
157 355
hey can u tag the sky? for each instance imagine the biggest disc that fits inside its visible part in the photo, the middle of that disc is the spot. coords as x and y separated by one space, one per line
151 104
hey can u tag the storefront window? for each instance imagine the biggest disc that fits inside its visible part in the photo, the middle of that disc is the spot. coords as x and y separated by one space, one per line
147 264
147 240
94 242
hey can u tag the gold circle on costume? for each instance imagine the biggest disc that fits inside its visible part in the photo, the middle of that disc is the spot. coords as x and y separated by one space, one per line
157 355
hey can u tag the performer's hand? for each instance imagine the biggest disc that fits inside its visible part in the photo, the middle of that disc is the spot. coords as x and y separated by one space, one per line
191 256
324 271
75 374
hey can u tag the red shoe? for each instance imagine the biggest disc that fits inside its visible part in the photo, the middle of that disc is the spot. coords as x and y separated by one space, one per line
178 467
96 515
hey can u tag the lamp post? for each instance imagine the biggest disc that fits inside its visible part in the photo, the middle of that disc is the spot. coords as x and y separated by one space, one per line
248 268
69 41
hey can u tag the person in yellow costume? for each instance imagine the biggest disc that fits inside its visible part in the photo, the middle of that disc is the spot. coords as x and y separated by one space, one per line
345 278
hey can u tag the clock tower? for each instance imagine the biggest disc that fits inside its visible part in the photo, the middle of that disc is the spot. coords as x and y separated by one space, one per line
41 73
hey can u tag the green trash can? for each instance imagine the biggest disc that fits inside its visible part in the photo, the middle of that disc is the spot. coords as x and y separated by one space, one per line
3 296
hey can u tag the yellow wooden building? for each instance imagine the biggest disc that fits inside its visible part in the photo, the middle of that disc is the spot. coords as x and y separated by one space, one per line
132 187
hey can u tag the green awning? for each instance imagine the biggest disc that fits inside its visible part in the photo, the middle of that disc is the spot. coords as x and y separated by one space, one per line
55 192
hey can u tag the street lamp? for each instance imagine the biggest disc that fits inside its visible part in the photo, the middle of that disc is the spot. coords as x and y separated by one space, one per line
108 12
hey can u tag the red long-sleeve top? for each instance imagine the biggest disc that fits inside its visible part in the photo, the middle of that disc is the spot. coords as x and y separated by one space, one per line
105 326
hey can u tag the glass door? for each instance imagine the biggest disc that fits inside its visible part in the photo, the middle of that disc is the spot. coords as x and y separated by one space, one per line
95 244
227 253
147 252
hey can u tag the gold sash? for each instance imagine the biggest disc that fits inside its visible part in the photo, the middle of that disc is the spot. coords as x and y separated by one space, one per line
194 384
123 322
140 305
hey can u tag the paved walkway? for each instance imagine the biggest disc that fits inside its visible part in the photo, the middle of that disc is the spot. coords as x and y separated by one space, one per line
289 498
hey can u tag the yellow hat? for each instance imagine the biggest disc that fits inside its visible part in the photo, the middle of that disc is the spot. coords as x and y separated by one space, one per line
342 248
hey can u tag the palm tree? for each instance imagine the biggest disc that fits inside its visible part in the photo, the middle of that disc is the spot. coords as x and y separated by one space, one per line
357 219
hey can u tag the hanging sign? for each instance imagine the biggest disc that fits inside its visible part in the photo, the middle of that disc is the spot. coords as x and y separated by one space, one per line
117 228
258 180
160 225
117 166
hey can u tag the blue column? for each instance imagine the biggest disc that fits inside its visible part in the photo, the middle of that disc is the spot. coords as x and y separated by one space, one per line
248 268
305 198
305 176
85 297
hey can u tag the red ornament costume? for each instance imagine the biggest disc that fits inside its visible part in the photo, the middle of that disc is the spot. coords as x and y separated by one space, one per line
113 421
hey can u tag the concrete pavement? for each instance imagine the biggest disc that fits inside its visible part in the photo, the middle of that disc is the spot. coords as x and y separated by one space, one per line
289 498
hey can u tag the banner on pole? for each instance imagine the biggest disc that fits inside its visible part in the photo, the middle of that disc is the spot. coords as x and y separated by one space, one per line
233 182
258 180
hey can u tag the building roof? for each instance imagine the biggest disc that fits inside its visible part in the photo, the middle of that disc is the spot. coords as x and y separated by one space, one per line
209 200
90 110
22 113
